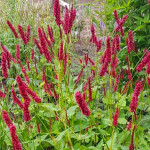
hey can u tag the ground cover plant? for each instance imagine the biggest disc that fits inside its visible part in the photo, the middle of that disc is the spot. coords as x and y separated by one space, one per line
45 105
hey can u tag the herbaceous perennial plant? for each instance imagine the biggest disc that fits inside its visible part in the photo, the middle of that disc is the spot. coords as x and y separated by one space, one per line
45 106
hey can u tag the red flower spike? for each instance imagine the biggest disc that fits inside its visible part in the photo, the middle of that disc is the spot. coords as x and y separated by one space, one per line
2 95
86 58
46 39
71 19
99 45
130 42
15 98
12 29
134 100
44 48
66 21
149 2
8 56
60 56
12 128
93 38
28 33
108 50
50 32
26 112
103 69
4 65
22 34
33 95
82 104
143 63
91 61
116 115
56 12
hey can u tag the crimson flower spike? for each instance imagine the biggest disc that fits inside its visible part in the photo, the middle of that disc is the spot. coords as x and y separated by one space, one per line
82 104
120 22
116 115
66 21
72 18
60 55
93 38
4 65
57 12
22 34
12 29
50 32
44 48
12 129
28 33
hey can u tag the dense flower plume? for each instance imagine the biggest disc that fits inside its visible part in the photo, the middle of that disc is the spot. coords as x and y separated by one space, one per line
57 12
12 128
22 34
93 38
41 65
60 54
43 46
12 29
50 32
134 101
28 33
116 115
82 104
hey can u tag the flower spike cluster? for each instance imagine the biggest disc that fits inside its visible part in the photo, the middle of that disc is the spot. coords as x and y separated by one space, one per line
120 22
24 91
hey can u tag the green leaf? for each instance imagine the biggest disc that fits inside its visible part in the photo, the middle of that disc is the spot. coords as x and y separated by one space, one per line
122 121
140 27
71 111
